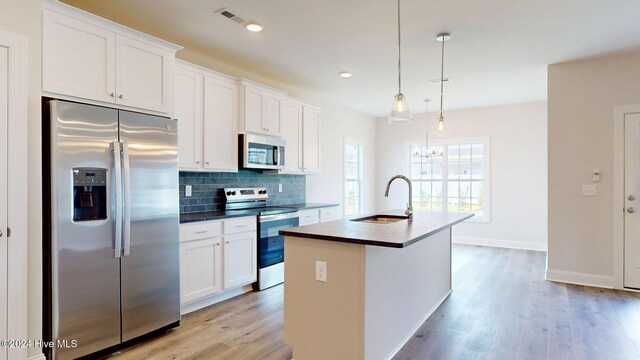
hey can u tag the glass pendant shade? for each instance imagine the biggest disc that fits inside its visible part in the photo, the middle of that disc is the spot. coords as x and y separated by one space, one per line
441 123
400 110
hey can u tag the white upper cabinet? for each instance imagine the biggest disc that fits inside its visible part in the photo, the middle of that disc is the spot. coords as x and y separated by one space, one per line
260 109
310 140
92 59
206 106
291 120
144 75
220 124
77 58
189 111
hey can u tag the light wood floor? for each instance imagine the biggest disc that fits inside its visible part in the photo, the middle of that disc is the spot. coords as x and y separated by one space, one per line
501 308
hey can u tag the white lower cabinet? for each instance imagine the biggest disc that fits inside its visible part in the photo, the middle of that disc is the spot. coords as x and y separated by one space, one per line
200 271
240 264
314 216
216 256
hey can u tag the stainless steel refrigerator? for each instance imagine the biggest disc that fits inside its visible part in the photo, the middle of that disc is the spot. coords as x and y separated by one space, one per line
111 252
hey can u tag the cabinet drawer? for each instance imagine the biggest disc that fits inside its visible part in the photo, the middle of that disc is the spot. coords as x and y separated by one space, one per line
308 217
200 230
328 214
233 226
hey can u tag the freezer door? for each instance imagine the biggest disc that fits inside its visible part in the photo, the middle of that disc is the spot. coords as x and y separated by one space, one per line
150 269
85 272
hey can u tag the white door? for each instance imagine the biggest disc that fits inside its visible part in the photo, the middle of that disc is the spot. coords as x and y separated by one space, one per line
291 121
4 83
200 269
240 259
144 75
632 201
188 111
220 125
311 140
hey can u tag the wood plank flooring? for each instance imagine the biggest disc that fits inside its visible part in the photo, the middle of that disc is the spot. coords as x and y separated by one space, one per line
501 308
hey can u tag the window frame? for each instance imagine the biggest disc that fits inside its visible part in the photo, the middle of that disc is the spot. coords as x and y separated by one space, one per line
361 145
486 168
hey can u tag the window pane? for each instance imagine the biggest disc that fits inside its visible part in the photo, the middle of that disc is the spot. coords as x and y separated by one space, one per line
352 177
476 189
477 171
465 152
436 195
477 151
436 168
452 189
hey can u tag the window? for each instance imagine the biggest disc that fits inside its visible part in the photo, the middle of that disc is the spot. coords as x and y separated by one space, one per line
353 158
454 179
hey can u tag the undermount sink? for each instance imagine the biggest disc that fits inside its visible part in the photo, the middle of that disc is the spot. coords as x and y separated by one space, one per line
381 219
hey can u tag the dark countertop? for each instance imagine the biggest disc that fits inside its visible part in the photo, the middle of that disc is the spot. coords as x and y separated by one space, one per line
398 234
227 214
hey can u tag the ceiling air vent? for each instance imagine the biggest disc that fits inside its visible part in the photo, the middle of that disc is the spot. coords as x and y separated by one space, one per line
231 15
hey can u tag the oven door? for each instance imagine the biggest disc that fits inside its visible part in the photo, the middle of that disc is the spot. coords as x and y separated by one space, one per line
270 242
271 248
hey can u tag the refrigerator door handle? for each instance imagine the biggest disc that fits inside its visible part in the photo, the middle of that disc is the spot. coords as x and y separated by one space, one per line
115 147
127 199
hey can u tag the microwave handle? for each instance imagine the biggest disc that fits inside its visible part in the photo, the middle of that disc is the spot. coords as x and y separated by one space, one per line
276 155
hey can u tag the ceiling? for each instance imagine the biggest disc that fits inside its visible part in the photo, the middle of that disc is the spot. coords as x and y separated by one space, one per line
498 52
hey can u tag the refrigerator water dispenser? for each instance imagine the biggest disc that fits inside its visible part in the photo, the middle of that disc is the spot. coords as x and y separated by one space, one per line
89 194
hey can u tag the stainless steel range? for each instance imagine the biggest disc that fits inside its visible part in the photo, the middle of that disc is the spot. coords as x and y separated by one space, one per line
271 219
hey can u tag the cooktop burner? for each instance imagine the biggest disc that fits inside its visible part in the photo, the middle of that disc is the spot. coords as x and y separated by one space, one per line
253 199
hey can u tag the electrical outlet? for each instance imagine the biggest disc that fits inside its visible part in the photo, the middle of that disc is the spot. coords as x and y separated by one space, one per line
321 271
279 187
596 175
187 190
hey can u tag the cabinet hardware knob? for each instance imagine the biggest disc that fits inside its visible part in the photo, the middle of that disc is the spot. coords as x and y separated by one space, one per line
631 210
197 162
631 198
120 96
207 163
227 242
112 95
217 244
1 233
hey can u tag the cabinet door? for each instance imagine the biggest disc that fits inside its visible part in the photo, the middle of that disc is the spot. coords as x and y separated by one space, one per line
78 58
309 217
144 75
254 101
272 115
311 140
291 120
188 111
220 125
200 269
240 259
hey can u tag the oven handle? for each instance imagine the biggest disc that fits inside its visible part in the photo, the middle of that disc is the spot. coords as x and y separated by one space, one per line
268 218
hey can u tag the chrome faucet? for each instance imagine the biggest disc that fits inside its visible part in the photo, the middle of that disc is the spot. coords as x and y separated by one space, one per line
409 211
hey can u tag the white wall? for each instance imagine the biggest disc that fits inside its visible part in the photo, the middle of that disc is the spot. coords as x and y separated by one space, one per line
518 142
582 98
23 18
328 186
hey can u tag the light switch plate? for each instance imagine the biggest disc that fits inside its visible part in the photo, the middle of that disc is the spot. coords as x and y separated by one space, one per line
589 190
187 190
321 271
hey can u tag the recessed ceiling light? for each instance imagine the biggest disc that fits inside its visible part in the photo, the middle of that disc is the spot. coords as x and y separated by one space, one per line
254 26
345 74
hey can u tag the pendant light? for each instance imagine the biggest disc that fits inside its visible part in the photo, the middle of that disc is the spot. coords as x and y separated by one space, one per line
399 109
442 37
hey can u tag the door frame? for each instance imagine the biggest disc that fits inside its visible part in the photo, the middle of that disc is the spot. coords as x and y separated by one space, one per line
17 166
619 113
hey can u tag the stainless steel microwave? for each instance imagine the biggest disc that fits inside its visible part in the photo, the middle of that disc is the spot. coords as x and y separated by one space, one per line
261 152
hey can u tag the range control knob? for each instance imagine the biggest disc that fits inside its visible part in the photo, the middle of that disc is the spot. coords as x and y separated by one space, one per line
233 193
263 192
228 193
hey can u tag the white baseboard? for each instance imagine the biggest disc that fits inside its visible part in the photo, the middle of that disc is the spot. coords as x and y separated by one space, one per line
577 278
410 335
37 357
511 244
213 299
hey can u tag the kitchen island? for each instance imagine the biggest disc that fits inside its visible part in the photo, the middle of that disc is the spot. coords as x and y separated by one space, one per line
360 289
